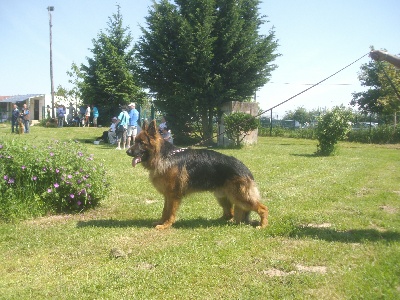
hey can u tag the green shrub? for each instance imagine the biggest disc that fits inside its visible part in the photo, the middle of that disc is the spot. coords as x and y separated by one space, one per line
383 134
48 178
332 127
238 125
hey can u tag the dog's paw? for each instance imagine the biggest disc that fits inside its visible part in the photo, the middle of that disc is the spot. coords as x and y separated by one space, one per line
163 226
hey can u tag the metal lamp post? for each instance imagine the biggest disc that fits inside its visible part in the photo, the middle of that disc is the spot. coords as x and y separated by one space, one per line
50 9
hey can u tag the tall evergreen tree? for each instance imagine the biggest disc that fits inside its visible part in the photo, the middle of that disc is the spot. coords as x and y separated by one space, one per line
109 77
197 55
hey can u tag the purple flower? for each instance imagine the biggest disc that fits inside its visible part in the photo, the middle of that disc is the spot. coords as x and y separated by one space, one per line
57 171
56 185
23 167
5 177
44 169
1 146
79 203
34 178
49 190
11 180
80 154
51 153
69 176
72 196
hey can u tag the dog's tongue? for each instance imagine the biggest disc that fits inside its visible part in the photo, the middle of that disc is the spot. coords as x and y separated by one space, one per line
135 161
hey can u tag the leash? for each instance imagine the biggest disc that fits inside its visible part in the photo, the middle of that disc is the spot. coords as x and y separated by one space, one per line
287 100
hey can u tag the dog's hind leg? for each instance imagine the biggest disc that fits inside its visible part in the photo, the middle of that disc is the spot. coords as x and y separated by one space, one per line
171 206
227 207
245 196
241 216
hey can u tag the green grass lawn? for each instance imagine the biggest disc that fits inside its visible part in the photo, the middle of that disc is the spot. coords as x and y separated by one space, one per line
334 232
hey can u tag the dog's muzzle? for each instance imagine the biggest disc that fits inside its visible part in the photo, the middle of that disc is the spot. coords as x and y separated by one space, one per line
136 154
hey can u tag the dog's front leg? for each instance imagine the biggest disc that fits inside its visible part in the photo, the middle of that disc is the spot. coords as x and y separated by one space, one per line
171 206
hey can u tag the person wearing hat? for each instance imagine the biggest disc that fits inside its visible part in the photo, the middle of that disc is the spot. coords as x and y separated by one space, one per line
132 125
112 137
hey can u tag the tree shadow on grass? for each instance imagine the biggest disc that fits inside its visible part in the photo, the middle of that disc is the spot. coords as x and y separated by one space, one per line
348 236
146 223
306 155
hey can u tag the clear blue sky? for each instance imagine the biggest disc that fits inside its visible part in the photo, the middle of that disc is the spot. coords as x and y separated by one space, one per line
316 37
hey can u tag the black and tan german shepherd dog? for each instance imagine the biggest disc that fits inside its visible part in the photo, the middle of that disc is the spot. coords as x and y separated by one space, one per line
176 172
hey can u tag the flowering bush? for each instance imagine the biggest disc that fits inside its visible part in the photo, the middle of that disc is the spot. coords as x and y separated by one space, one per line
51 178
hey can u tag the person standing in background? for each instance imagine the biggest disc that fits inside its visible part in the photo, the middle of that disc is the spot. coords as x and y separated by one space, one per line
48 111
95 115
132 125
121 127
87 115
71 114
60 115
14 119
25 117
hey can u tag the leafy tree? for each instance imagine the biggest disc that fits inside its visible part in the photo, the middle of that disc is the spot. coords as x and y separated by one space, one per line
197 55
380 98
300 115
238 125
332 126
109 78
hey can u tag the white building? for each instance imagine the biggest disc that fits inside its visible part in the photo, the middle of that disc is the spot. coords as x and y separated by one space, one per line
37 104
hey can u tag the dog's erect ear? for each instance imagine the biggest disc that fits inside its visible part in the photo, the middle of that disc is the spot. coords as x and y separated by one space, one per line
145 126
152 130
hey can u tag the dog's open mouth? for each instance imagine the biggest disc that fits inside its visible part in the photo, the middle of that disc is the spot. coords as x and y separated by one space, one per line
136 160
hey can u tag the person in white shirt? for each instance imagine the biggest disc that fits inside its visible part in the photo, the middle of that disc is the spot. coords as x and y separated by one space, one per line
87 115
167 136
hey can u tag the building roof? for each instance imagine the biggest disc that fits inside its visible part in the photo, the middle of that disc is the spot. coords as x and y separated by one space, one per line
18 98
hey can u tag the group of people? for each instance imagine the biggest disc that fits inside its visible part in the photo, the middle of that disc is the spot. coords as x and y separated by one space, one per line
86 112
73 118
124 128
90 109
20 119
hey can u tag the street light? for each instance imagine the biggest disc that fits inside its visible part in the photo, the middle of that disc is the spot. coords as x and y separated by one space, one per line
50 9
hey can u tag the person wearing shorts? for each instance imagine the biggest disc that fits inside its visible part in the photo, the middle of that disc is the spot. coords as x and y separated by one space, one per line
132 125
122 125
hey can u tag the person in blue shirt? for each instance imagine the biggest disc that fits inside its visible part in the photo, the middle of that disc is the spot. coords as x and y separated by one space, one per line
133 125
61 115
95 115
121 127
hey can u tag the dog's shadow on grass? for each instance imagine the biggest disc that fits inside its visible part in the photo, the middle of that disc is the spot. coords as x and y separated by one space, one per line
326 234
146 223
347 236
